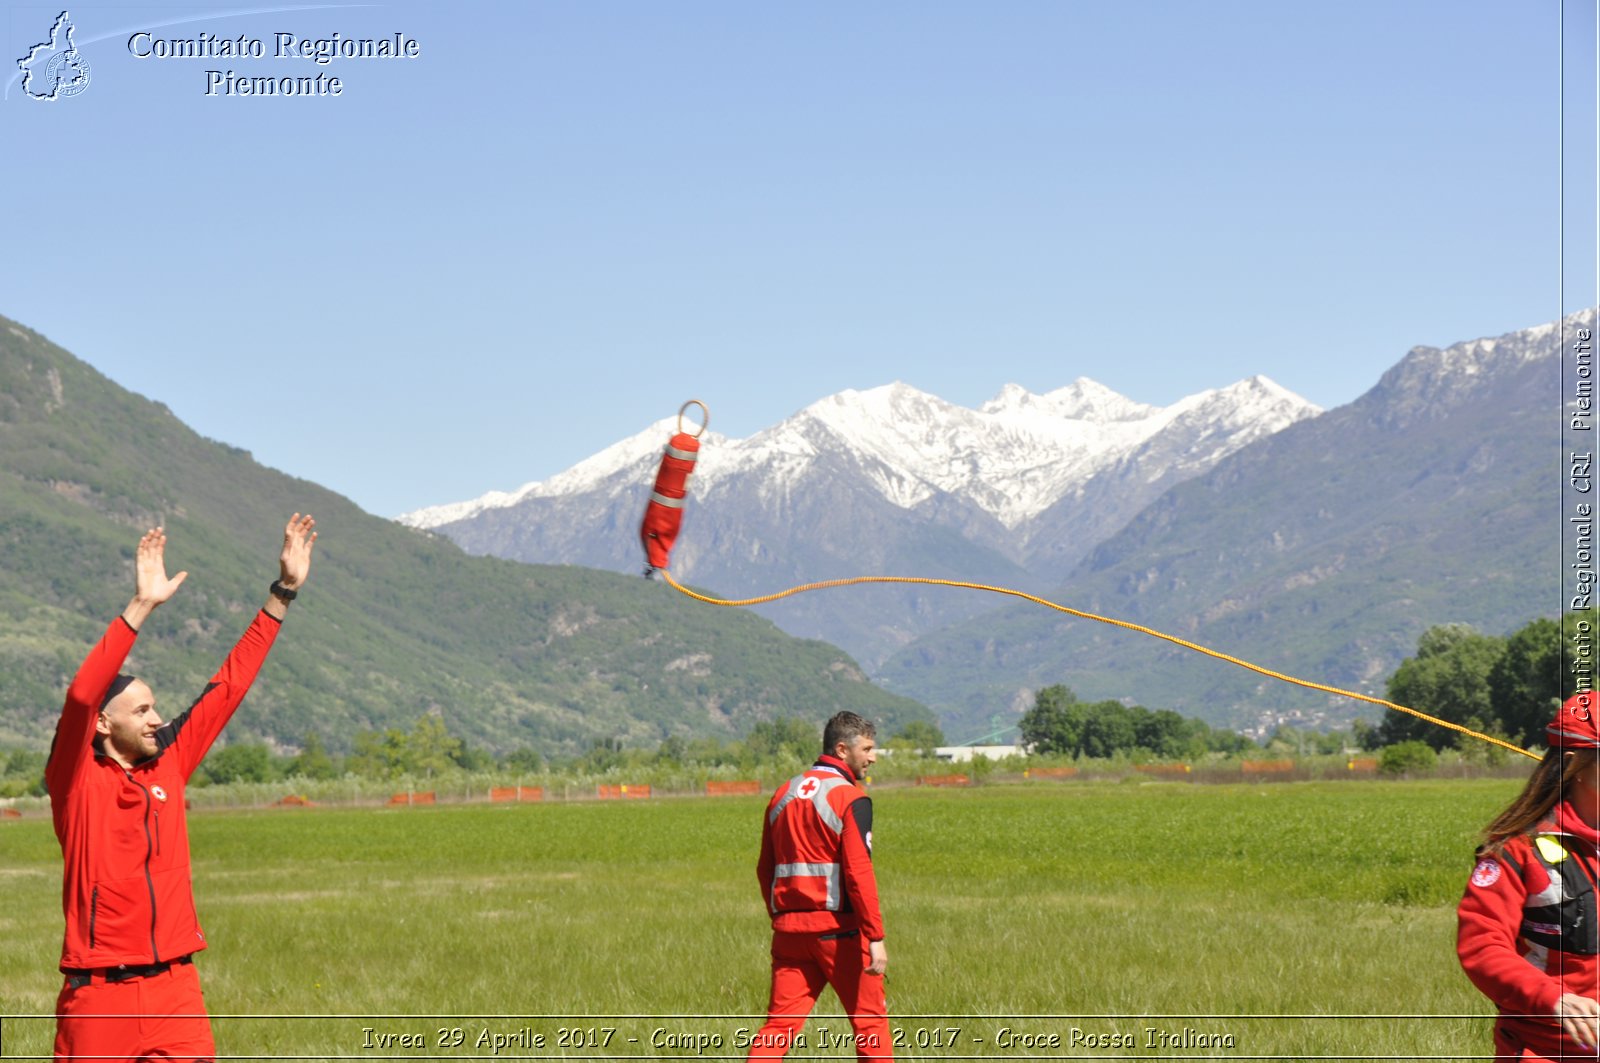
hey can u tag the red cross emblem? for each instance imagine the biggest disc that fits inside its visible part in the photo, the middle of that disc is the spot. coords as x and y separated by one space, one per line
808 788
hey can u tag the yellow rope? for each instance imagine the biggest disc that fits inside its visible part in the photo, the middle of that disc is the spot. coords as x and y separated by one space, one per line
1186 644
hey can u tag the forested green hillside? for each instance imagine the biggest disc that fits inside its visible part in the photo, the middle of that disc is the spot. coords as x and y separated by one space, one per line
393 623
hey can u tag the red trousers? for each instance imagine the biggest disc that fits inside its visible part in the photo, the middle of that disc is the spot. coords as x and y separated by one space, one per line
801 965
162 1016
1536 1043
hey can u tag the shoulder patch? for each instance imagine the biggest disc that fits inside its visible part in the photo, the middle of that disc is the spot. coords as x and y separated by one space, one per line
1550 848
1487 873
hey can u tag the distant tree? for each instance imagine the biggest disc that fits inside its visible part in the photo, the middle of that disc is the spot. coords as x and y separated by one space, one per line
1055 723
603 755
1449 679
313 761
785 739
380 754
523 761
1165 733
238 763
672 751
1526 683
924 736
23 774
1365 735
710 753
1404 758
1222 740
1109 728
472 758
431 750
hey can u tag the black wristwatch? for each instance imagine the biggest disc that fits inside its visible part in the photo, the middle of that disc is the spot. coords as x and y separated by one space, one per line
283 593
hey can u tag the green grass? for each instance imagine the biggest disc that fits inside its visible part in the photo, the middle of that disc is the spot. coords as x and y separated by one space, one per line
1100 903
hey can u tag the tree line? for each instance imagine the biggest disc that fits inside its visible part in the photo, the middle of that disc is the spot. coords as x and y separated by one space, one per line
427 750
1059 723
1507 687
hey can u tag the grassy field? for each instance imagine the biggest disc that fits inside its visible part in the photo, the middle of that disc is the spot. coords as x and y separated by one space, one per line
1293 920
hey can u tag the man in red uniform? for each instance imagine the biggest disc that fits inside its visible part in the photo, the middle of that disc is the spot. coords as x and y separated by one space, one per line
816 878
116 776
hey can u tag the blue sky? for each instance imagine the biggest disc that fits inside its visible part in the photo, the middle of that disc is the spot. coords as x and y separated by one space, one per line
478 266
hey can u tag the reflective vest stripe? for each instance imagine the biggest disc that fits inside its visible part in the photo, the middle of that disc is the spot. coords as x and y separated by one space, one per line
819 801
828 871
1561 916
665 500
681 455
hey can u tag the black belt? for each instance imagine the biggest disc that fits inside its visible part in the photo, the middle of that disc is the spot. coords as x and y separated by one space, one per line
838 935
78 977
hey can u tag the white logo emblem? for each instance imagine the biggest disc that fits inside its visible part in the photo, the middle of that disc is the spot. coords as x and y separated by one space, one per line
1487 873
160 794
808 788
56 65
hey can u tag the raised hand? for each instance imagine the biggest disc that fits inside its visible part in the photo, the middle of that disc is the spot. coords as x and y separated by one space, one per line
150 569
295 559
151 585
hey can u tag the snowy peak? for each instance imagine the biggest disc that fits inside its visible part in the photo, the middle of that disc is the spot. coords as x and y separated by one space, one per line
1081 400
624 456
1428 379
1012 458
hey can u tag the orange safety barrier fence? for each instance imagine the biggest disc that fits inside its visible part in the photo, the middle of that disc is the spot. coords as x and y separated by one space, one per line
1163 769
291 801
622 793
1049 773
737 786
943 780
516 793
1267 767
1363 764
424 797
10 813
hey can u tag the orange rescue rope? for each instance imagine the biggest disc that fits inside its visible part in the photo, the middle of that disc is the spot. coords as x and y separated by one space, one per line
1175 640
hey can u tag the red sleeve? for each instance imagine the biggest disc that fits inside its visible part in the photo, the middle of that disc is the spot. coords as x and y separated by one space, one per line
767 863
73 746
859 882
1487 919
190 735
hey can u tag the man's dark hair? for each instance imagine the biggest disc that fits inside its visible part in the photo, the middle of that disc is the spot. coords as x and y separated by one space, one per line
118 685
846 727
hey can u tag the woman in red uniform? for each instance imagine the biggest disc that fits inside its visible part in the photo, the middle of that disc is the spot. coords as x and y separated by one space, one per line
1528 934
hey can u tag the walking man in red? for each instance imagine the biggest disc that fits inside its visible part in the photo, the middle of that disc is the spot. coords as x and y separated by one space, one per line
116 775
816 878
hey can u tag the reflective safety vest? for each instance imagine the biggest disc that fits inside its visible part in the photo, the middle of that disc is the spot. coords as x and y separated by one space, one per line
1562 915
806 824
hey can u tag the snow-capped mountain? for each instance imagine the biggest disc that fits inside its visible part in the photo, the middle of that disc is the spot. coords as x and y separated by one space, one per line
1324 552
1014 457
890 480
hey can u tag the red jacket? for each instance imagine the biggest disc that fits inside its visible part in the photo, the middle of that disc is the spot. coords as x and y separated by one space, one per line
124 837
1526 928
816 854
